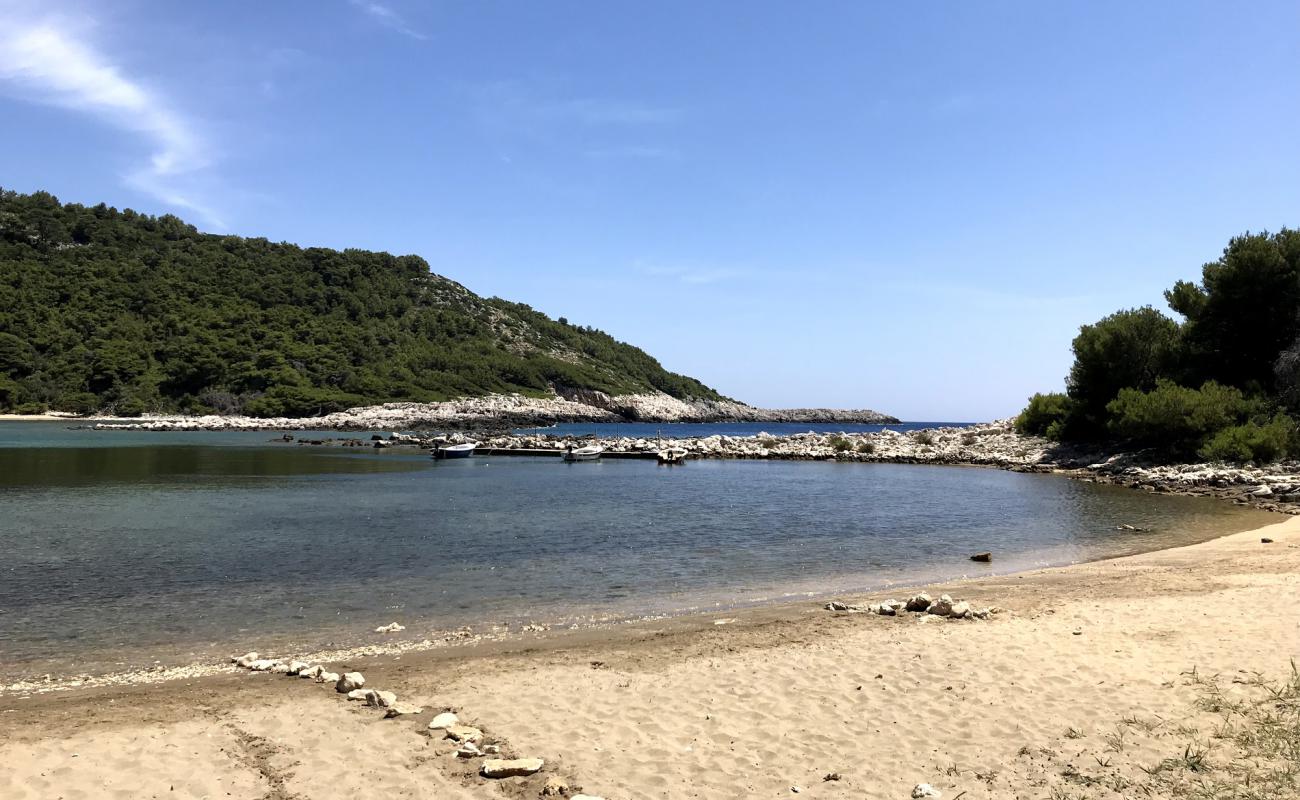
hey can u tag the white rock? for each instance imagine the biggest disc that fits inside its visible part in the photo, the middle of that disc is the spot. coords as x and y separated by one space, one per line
510 767
391 627
380 699
885 610
923 790
310 672
468 750
403 709
327 677
279 668
262 664
246 660
350 681
444 720
960 610
296 667
464 733
358 694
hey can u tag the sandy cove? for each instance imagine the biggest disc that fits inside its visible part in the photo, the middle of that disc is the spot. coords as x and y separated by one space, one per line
1092 684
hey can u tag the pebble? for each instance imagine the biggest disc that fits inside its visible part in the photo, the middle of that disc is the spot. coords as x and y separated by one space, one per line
380 699
391 627
402 709
925 790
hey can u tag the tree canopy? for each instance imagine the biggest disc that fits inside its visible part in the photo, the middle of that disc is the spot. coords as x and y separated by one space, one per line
102 309
1221 383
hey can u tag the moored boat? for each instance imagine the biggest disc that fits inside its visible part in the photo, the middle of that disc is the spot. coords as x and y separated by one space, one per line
455 450
589 453
672 455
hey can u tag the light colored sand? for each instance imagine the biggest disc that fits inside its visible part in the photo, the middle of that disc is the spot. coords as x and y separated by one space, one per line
778 699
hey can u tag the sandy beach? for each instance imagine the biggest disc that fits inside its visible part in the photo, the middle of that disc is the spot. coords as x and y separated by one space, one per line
1093 683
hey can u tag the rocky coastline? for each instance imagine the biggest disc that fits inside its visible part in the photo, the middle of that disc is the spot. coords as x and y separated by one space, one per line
504 412
488 420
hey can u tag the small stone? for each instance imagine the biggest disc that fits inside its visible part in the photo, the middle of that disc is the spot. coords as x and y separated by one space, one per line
380 699
262 664
279 668
555 786
960 610
349 681
357 694
311 672
468 750
836 605
1265 540
444 720
885 610
391 627
464 733
923 790
327 677
402 709
831 776
984 557
941 607
491 749
511 767
918 602
246 660
296 667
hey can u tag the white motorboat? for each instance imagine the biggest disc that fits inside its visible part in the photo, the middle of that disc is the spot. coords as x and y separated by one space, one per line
455 450
672 455
590 453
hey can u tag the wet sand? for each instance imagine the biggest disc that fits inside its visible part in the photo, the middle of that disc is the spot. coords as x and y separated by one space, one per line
770 700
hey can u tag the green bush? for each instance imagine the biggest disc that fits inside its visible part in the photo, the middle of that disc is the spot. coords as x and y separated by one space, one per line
1251 442
30 408
925 437
131 407
82 403
866 447
1043 411
1176 419
840 444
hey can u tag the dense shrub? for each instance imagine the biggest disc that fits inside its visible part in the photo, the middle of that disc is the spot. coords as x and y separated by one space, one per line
1251 442
1042 412
1128 349
866 447
1177 419
83 403
840 445
925 437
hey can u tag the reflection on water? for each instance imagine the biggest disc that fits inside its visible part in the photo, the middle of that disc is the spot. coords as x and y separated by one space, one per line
126 554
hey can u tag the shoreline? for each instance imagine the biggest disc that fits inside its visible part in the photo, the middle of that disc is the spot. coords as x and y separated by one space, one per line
540 633
771 698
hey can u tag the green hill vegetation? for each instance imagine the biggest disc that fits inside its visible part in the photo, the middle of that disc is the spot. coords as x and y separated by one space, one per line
1221 382
107 310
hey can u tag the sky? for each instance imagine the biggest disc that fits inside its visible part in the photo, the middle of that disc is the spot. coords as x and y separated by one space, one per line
910 207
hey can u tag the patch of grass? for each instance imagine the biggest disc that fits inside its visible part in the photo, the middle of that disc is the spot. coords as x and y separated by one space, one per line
840 445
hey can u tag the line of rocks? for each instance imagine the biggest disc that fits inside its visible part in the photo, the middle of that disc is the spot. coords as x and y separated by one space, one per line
470 740
505 411
945 607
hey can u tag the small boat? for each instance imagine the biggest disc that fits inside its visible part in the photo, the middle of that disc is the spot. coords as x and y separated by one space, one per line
590 453
672 455
455 450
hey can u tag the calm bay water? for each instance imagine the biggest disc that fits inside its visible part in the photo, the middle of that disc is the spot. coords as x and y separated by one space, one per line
118 549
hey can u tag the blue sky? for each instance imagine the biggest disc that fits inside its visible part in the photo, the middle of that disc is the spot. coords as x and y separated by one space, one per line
904 206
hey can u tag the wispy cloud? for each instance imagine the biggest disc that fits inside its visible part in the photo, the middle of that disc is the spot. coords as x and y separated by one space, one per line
46 61
387 17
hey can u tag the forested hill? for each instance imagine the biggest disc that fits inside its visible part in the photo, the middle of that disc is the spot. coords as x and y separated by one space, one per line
113 310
